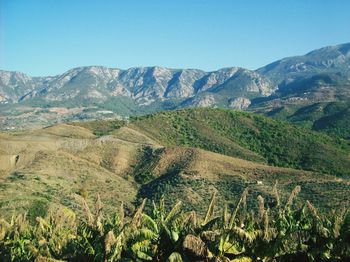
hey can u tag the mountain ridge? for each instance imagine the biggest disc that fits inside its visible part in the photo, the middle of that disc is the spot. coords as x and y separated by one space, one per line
137 82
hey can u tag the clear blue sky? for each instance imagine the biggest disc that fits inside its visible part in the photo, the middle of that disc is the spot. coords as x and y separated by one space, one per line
47 37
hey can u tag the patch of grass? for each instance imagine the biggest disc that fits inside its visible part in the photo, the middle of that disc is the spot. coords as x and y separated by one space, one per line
83 192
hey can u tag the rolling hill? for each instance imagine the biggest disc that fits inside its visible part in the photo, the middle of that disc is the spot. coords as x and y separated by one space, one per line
248 136
184 154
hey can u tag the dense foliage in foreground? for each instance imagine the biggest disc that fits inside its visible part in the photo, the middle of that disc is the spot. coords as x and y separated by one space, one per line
280 233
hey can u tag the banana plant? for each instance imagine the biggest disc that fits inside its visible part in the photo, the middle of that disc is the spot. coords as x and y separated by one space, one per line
100 238
342 242
15 239
160 234
225 235
282 233
54 234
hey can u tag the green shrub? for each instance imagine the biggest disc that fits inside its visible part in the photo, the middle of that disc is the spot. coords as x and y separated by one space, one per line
38 208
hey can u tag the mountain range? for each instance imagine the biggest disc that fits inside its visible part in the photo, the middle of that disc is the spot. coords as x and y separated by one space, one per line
279 89
145 85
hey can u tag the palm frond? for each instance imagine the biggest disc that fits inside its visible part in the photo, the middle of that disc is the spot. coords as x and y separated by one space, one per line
175 257
137 218
210 210
234 214
173 212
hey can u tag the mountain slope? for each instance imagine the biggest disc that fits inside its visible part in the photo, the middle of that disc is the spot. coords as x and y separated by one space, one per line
14 85
330 59
243 135
320 77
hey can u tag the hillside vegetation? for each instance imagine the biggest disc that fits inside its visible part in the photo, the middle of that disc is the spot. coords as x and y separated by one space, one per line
248 136
331 118
335 123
